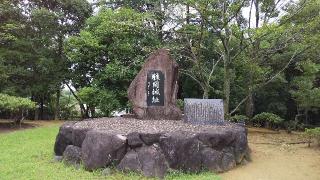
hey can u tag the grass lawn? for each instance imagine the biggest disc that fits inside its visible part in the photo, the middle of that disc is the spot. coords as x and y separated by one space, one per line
28 154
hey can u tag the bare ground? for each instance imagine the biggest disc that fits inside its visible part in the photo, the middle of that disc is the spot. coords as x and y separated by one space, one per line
274 159
7 126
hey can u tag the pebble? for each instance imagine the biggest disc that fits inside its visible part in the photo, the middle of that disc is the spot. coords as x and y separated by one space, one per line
128 125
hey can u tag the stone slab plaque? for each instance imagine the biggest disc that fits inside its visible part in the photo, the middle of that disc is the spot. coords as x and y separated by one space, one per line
203 111
155 88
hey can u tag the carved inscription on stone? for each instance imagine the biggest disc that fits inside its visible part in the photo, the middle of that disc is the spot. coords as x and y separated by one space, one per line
155 88
203 111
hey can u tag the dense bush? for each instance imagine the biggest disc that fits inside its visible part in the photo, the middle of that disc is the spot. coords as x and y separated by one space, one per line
293 125
313 134
99 102
268 120
239 118
16 106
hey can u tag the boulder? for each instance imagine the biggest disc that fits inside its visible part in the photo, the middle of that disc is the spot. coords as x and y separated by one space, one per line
148 160
218 150
134 140
150 138
78 135
217 139
151 147
64 138
161 62
212 159
101 148
182 150
72 155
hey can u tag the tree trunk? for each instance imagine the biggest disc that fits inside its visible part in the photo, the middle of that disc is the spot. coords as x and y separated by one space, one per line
41 109
36 113
226 87
188 14
84 112
250 104
205 94
57 106
306 120
93 111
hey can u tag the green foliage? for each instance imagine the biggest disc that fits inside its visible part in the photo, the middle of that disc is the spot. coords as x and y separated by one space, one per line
15 104
180 104
68 106
271 65
107 55
239 118
269 120
293 125
102 99
307 94
313 134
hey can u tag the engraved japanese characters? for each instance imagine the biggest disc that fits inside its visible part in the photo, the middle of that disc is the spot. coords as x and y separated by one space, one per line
203 111
155 88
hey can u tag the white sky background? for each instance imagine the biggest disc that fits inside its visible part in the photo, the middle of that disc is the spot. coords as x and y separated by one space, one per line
180 11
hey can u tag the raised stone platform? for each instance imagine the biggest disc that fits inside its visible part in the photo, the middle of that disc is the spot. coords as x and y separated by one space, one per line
152 146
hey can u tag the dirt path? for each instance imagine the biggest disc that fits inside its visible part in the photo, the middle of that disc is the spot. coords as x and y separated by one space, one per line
7 126
277 161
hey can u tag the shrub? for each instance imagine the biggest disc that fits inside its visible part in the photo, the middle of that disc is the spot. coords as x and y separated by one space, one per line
268 120
17 106
312 134
239 118
180 104
293 125
102 100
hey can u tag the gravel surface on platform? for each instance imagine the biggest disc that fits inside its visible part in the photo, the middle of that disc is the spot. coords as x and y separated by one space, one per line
127 125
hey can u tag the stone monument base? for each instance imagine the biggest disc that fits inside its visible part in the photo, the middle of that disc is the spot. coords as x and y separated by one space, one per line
152 147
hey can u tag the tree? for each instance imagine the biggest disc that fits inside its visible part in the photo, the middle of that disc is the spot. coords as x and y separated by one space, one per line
109 50
17 107
306 92
32 36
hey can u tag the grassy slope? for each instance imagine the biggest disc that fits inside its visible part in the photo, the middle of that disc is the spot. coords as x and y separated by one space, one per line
28 154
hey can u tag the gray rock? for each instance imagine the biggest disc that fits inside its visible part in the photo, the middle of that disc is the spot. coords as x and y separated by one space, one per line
182 151
150 138
58 158
130 162
148 160
217 139
101 148
240 145
160 60
72 155
217 151
211 159
78 136
217 148
134 140
64 138
228 161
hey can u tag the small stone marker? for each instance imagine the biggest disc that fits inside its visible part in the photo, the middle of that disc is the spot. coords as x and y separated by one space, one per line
203 111
153 92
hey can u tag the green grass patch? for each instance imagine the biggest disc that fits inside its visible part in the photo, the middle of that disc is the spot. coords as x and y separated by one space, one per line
28 154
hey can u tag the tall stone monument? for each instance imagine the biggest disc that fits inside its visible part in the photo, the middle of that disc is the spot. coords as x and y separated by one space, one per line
153 92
